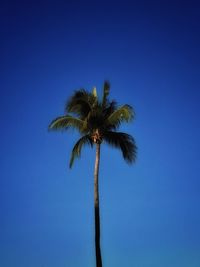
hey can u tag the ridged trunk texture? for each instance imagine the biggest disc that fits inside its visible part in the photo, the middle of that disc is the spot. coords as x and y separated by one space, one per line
96 208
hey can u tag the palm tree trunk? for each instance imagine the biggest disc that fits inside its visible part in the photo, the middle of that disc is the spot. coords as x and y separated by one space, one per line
96 208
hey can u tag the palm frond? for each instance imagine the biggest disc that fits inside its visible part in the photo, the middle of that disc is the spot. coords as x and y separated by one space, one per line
76 152
81 103
124 113
64 122
124 142
106 91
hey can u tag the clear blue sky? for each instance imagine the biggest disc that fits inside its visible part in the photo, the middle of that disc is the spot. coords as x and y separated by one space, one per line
149 50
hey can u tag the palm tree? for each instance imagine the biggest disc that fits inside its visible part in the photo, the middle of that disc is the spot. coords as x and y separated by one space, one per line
97 120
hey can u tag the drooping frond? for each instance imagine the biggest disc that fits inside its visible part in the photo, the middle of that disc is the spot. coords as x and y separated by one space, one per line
124 113
106 90
81 103
64 122
124 142
76 152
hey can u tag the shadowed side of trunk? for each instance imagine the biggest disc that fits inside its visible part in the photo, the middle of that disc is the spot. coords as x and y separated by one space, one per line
96 208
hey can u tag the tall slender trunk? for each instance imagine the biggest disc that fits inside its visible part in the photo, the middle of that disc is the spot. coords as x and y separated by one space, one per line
96 208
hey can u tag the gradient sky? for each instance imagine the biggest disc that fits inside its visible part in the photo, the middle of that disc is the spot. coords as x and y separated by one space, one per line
149 50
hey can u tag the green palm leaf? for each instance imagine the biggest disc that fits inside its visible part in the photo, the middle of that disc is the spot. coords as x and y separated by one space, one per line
81 103
124 113
76 152
64 122
124 142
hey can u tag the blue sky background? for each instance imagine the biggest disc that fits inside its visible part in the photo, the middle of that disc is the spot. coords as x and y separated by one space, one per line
149 50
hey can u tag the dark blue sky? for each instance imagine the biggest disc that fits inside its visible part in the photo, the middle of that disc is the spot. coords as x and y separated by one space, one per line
149 50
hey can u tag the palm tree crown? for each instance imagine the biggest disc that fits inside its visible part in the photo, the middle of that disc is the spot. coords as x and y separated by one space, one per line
97 120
